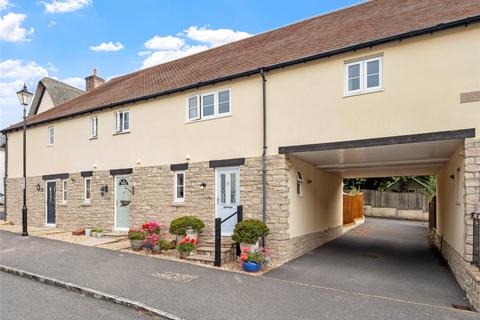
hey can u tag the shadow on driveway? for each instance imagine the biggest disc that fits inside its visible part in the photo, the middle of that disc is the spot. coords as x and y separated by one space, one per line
383 257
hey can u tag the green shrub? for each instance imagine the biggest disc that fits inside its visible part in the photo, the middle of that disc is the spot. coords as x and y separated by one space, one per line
165 244
137 235
249 231
97 230
179 226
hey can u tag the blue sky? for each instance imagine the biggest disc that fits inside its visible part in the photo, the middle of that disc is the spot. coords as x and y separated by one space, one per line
66 39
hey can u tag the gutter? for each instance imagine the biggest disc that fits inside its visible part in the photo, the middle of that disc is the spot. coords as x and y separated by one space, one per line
5 176
369 44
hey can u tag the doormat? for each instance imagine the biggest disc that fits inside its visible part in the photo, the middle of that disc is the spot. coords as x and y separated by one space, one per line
179 277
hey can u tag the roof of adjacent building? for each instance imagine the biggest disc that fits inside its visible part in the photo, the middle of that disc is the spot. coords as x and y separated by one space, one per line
60 92
363 25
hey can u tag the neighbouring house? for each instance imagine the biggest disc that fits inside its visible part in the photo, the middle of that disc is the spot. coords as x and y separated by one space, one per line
273 122
2 171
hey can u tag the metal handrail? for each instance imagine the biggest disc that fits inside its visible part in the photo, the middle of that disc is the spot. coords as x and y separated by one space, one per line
218 235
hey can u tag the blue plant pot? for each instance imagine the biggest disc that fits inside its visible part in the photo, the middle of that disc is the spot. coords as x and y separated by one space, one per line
251 266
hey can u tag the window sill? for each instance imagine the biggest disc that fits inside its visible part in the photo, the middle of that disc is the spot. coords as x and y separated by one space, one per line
93 138
346 95
226 115
178 204
120 133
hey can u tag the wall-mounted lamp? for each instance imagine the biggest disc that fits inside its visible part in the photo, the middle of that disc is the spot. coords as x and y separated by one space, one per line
187 157
103 190
38 187
452 176
202 185
309 181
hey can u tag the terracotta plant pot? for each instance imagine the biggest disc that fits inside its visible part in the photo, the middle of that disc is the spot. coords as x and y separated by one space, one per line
156 249
184 254
136 245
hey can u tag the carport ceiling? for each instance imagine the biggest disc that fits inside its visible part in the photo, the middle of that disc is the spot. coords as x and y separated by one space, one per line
422 154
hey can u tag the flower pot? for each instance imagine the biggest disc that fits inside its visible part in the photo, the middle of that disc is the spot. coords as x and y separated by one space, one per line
88 232
251 266
156 249
192 234
94 234
99 234
184 254
136 245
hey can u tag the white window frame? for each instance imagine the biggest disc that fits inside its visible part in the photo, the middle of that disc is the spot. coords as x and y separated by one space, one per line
51 135
93 127
299 183
120 121
85 199
64 191
175 186
216 108
363 76
197 96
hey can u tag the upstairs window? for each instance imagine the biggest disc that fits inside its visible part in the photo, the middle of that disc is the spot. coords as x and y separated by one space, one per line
122 121
364 76
93 127
51 136
209 105
299 184
179 186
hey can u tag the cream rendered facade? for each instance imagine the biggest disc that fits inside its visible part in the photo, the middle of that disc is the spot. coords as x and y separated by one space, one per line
423 78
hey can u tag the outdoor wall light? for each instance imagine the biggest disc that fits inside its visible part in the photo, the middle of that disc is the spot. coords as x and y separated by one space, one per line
103 190
202 185
38 187
309 181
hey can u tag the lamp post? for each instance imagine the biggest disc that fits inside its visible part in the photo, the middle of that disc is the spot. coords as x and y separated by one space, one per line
24 97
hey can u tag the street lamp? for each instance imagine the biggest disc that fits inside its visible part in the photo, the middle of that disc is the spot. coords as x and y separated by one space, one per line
24 97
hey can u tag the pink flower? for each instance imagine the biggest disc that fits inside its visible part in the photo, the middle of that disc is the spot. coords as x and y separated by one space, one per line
247 249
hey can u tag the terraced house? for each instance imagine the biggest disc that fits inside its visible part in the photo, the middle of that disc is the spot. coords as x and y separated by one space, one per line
274 123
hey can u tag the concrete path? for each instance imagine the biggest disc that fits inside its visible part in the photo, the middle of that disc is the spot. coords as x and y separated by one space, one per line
26 299
210 293
384 257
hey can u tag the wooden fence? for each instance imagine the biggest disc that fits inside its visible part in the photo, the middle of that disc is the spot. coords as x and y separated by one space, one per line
399 200
352 208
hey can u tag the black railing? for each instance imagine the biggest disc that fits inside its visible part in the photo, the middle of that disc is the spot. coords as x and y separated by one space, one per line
218 235
476 238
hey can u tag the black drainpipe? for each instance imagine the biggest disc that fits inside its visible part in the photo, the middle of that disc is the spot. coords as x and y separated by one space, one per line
264 151
5 176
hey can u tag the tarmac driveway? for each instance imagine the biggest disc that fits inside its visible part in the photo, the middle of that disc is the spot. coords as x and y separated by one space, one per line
382 257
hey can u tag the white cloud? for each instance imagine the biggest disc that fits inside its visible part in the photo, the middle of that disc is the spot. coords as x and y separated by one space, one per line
63 6
215 37
4 4
107 46
75 81
13 73
162 56
51 23
168 48
11 28
164 43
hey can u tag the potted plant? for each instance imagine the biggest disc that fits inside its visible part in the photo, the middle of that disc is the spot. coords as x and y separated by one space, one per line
186 246
136 239
151 243
98 232
152 227
253 260
248 233
88 231
180 225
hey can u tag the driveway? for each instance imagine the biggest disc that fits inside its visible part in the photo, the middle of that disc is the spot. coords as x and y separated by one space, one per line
383 257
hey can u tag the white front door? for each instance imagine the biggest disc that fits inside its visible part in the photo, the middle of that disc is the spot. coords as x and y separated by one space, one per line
122 202
227 189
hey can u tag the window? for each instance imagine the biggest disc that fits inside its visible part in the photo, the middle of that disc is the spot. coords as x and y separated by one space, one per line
363 76
88 189
64 191
193 107
93 127
122 121
179 186
209 105
299 183
51 136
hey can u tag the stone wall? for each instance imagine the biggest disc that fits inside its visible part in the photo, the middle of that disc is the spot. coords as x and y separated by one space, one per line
153 199
472 191
467 275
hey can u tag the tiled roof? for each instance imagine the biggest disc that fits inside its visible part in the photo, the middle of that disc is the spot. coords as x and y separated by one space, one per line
329 33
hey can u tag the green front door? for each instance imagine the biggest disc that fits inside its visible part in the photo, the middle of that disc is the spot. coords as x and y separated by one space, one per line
122 202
